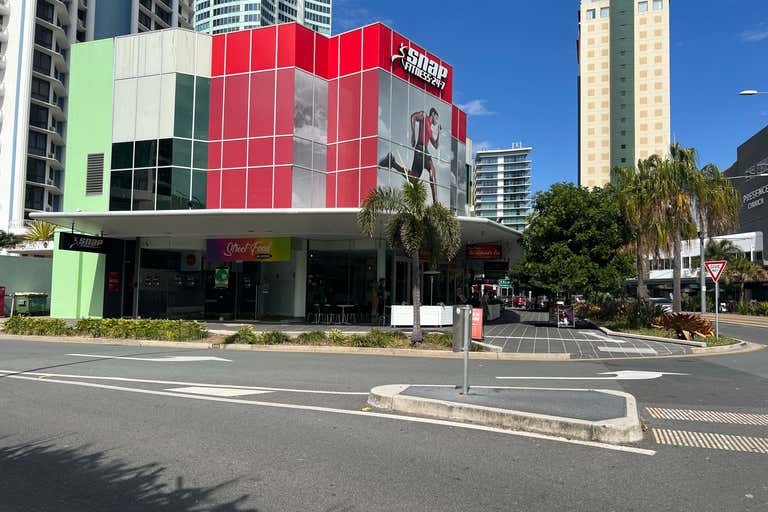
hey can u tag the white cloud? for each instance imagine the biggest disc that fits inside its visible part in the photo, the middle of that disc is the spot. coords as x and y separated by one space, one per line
476 108
482 145
755 35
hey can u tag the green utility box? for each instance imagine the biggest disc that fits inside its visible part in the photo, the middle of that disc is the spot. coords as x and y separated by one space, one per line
31 303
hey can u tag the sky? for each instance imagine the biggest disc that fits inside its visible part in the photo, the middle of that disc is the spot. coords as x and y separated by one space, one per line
515 71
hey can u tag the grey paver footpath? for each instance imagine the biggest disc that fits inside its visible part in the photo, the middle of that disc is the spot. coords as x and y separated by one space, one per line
586 414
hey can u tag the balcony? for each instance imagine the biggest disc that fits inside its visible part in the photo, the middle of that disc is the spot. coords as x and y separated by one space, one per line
3 34
4 7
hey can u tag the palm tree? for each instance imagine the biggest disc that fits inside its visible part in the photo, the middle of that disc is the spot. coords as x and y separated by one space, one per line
722 250
412 225
743 270
8 240
39 231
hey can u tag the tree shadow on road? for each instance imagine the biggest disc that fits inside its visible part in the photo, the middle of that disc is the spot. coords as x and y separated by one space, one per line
38 476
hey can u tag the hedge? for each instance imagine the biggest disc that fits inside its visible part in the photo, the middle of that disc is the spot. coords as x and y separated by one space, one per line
169 330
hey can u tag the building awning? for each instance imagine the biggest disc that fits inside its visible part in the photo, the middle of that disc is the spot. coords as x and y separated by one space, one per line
310 223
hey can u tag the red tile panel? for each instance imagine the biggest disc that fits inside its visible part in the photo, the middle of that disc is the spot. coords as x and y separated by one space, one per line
370 103
264 43
285 99
368 151
385 47
217 54
214 155
260 187
283 150
321 56
330 158
235 154
286 45
238 52
215 108
368 177
413 79
260 151
213 186
305 48
349 155
348 184
330 190
447 93
262 112
462 126
236 106
333 57
397 67
371 45
233 188
283 189
351 52
454 121
349 107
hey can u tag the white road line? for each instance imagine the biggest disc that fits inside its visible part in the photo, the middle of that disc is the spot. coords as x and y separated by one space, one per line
629 350
228 392
712 441
313 408
602 337
737 418
178 383
618 375
165 359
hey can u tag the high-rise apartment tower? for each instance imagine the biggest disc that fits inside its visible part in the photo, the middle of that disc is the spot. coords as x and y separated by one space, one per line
218 16
502 185
624 91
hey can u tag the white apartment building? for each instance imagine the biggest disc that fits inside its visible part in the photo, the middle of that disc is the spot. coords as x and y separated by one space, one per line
502 185
218 16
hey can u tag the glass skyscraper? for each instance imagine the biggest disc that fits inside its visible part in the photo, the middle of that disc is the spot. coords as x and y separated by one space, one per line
503 185
219 16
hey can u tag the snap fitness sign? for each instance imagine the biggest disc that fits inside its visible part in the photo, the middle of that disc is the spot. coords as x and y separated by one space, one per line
249 249
417 64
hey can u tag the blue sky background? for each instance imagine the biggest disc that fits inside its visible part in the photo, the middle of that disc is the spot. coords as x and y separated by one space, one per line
515 70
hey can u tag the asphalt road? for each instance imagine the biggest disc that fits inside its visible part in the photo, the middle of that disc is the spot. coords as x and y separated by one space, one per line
82 433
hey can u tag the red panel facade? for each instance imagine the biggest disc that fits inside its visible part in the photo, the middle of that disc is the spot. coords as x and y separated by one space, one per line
255 124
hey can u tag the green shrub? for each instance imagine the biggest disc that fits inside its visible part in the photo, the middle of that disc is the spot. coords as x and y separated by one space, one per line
336 336
27 325
443 339
145 329
245 335
642 314
311 338
753 308
273 338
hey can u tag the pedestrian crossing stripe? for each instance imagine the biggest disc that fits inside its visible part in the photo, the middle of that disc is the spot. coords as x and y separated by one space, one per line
736 418
711 440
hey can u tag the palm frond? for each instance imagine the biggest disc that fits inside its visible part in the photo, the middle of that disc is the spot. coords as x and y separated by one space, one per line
382 200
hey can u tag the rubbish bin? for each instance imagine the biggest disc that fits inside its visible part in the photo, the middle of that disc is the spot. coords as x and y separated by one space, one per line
462 326
31 303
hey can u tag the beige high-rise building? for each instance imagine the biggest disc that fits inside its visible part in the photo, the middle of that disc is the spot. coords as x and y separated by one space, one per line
624 91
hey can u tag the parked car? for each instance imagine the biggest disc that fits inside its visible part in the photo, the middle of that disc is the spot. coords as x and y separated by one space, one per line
664 304
540 303
519 301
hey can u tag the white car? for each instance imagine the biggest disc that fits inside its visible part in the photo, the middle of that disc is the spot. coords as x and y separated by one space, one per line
664 304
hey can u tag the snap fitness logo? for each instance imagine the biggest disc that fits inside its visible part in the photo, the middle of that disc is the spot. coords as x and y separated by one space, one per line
418 64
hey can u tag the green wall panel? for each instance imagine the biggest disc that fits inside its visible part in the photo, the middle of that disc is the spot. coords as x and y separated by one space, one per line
622 22
77 285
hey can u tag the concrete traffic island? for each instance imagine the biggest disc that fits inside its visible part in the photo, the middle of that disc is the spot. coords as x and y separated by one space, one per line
585 414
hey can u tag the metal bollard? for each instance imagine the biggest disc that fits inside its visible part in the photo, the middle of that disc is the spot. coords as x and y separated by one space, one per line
462 333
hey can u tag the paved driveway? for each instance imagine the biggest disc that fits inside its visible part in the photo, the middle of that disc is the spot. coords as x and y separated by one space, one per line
528 332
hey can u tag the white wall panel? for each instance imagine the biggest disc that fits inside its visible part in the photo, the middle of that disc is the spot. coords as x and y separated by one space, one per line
124 111
126 56
167 102
150 53
148 107
203 55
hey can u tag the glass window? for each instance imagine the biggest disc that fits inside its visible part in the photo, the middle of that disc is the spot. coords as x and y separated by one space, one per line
146 153
604 12
185 88
122 155
182 153
200 159
642 6
44 37
38 143
38 116
41 90
199 189
120 190
164 151
144 188
590 14
41 62
173 188
202 100
658 5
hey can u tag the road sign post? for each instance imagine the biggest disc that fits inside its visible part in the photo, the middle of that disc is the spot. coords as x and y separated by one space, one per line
715 269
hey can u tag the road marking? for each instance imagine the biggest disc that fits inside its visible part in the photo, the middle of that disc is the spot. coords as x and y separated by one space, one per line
602 337
737 418
314 408
711 441
165 359
619 375
179 383
229 392
629 350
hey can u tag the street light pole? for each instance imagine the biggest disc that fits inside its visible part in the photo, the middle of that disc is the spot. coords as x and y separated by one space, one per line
702 277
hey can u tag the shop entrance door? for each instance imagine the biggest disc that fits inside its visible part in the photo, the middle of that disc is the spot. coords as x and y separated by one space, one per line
232 290
402 288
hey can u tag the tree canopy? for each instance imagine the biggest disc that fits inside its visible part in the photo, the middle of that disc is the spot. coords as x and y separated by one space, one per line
574 242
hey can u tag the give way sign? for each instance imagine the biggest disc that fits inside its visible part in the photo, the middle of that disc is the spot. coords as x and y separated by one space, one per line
715 268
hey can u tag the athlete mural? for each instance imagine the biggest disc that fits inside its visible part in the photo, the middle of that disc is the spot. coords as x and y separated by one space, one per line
427 134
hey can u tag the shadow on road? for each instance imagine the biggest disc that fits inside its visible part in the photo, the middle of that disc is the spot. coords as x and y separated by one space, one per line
39 476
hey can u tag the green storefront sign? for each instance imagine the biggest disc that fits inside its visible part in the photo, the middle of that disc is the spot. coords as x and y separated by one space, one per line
221 278
505 283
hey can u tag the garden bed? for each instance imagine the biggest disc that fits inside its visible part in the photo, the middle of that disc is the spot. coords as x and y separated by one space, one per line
711 341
